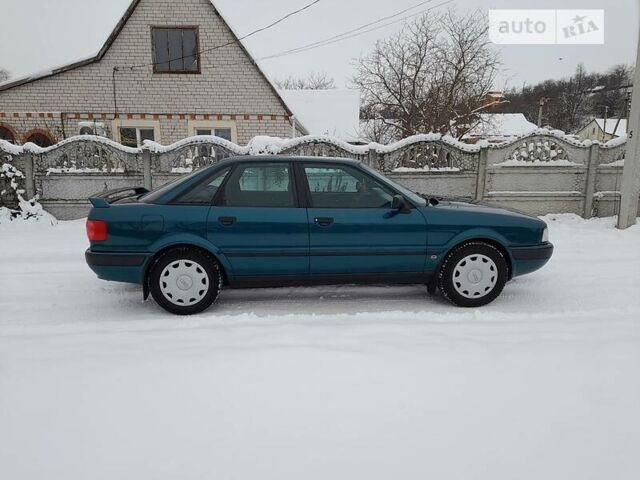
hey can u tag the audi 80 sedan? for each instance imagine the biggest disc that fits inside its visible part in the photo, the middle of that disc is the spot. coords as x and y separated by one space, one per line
283 221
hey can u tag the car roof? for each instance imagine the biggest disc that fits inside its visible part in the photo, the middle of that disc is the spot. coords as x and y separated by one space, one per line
288 158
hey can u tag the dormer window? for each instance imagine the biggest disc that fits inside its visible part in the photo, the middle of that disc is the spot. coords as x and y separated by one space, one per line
175 50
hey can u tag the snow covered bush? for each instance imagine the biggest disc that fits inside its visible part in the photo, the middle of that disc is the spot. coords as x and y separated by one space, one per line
13 206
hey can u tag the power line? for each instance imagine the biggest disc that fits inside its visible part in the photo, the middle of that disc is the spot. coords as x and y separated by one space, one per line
348 35
364 26
237 40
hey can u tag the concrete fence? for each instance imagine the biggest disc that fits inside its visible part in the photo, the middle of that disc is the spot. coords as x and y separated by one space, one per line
545 172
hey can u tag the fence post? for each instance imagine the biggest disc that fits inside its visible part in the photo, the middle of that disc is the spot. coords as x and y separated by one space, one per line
481 178
590 184
146 169
372 158
29 176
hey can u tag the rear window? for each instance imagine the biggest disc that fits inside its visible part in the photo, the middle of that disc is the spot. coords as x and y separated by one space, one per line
163 189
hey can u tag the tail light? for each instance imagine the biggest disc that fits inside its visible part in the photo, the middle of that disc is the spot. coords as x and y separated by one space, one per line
96 230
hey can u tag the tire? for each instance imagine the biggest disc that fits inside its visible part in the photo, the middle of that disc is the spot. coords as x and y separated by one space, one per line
473 274
185 281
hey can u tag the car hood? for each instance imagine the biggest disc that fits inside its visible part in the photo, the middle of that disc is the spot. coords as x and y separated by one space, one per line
479 208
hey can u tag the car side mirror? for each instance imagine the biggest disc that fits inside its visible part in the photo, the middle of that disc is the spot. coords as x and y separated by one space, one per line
400 204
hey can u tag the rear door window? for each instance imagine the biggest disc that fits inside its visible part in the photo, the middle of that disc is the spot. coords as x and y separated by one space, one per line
259 185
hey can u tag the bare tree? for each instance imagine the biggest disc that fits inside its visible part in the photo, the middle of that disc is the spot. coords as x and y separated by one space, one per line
4 75
313 81
432 76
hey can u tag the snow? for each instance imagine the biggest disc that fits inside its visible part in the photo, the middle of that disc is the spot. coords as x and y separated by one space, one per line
10 148
538 163
501 125
610 126
544 132
334 112
426 168
316 383
617 141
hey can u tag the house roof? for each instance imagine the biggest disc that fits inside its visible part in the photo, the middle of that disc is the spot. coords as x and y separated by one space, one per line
501 125
610 126
114 34
80 63
334 112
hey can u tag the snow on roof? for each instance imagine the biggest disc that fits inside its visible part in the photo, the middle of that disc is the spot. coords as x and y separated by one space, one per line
501 125
334 112
610 126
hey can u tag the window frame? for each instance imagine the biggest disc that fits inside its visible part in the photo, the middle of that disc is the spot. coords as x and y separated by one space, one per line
119 123
304 181
293 180
195 125
197 71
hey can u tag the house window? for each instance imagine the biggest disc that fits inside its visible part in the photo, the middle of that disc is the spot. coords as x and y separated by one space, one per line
218 132
175 50
134 136
226 129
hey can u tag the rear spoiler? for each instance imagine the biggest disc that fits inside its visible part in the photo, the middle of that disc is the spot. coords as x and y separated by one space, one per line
106 198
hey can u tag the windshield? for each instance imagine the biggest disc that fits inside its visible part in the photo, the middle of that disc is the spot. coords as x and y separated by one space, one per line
161 190
413 197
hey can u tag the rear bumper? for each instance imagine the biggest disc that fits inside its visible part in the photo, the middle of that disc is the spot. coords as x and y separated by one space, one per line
117 266
530 259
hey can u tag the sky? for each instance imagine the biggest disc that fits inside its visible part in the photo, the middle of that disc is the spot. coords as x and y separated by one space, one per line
36 35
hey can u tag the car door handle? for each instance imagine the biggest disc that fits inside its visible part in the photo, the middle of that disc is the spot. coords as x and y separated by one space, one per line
226 221
323 221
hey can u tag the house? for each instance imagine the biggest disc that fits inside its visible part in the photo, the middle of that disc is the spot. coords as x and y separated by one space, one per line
493 99
499 127
334 112
167 71
603 129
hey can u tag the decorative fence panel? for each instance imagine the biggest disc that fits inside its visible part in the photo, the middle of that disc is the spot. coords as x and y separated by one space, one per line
545 172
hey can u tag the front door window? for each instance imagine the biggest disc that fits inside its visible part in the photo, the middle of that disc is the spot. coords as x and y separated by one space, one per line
344 187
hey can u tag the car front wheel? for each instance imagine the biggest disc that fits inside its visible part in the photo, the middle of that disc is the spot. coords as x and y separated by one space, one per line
473 274
185 281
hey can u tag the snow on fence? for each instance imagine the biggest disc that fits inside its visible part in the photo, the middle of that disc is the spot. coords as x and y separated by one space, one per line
543 172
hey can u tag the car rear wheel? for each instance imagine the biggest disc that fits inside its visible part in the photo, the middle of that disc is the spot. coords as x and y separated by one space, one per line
473 274
185 281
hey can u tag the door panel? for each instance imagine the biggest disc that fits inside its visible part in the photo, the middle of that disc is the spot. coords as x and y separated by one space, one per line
352 228
257 223
366 240
261 241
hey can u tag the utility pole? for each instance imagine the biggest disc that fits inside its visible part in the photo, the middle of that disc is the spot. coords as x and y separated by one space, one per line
604 127
631 171
543 100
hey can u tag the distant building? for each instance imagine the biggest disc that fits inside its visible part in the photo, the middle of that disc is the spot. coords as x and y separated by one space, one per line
493 99
334 112
603 131
169 69
499 127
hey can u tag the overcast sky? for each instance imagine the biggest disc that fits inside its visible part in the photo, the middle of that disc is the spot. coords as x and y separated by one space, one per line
39 34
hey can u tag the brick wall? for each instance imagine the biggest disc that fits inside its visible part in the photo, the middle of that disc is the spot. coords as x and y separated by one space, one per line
229 83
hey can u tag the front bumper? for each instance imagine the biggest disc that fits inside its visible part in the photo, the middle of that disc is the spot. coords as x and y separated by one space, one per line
117 266
530 259
538 252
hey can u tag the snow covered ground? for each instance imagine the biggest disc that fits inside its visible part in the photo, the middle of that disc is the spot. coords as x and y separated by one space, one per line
318 383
